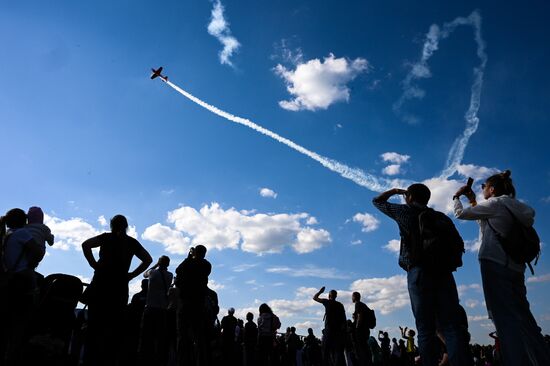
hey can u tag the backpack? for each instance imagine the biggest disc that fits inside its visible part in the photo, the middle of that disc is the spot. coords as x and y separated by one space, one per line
522 244
370 317
441 246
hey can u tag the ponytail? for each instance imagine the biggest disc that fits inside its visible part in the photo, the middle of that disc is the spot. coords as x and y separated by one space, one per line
502 183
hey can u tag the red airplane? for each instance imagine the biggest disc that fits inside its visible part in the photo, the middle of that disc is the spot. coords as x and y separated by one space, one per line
157 73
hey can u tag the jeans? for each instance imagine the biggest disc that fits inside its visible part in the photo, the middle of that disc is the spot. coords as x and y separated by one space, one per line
434 301
521 341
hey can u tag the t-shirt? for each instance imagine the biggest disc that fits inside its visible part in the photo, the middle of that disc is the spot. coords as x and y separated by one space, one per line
229 323
116 253
192 278
159 283
41 234
335 315
14 247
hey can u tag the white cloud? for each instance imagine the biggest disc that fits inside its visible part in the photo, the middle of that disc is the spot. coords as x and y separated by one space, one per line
174 241
244 267
396 161
392 169
396 158
369 222
317 84
471 303
214 285
219 28
217 228
472 245
70 233
312 221
393 246
442 192
357 242
383 294
303 326
308 271
102 221
546 199
536 279
462 289
266 192
477 318
475 171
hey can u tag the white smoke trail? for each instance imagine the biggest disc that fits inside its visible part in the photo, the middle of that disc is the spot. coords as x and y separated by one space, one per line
421 70
354 174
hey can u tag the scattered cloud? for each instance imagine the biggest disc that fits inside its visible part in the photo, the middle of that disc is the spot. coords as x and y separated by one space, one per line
472 245
392 169
285 52
396 160
462 289
266 192
312 221
471 303
369 222
383 294
546 199
477 318
475 171
393 246
537 279
102 221
308 271
244 267
70 233
317 84
217 228
215 285
356 242
219 28
167 192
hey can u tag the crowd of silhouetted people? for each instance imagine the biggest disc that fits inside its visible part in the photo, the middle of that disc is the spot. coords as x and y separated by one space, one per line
175 320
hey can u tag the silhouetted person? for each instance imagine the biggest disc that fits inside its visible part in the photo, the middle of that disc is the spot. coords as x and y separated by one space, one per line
193 323
502 274
268 323
335 328
312 349
20 256
385 345
108 290
229 324
292 345
132 327
40 232
432 291
154 337
362 330
250 340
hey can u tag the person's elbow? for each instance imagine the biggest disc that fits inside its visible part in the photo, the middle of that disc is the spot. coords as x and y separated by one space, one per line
147 259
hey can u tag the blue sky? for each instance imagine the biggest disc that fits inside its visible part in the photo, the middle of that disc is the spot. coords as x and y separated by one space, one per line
87 135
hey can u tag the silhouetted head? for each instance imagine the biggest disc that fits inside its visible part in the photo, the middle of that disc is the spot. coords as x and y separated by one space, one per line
411 333
15 218
231 311
119 224
310 331
164 262
249 316
200 251
292 330
355 297
240 322
498 185
332 294
386 335
264 308
394 340
418 193
35 215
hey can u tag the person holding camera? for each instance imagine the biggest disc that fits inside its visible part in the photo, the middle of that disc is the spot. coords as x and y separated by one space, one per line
503 279
192 283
